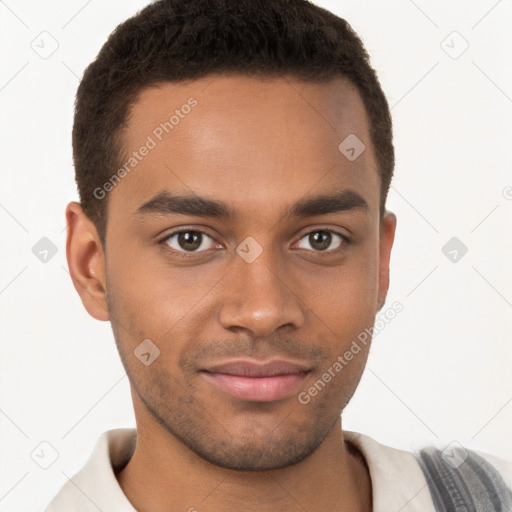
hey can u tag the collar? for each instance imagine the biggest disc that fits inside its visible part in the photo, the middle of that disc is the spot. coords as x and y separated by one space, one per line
397 480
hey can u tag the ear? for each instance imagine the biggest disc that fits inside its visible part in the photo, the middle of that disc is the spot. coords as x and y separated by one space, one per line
86 261
387 236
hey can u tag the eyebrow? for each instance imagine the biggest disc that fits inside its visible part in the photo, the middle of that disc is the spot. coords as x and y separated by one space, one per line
165 203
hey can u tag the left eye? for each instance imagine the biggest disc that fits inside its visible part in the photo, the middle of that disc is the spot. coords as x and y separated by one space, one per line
321 239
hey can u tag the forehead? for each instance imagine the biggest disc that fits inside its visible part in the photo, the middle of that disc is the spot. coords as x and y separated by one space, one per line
247 141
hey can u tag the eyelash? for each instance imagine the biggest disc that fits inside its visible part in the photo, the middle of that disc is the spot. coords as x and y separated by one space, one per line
187 255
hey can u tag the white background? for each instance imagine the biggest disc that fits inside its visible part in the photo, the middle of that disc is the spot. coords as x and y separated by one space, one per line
440 371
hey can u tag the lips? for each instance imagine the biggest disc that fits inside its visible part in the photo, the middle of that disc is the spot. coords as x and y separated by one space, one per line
258 382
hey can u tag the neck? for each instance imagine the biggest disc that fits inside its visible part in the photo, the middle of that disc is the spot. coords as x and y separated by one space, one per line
163 474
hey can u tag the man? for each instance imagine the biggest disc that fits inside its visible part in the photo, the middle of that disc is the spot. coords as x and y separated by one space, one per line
233 161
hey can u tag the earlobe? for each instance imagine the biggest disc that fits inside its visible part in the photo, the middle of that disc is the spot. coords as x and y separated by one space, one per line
387 236
86 261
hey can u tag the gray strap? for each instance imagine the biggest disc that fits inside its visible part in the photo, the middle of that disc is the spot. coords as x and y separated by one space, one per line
460 480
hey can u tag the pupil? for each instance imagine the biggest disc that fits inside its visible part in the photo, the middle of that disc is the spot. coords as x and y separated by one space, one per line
323 240
189 240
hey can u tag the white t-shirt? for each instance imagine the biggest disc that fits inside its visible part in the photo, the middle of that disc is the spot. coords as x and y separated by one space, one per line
397 480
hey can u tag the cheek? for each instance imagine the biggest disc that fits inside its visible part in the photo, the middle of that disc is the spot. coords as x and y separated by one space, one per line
344 312
153 299
345 294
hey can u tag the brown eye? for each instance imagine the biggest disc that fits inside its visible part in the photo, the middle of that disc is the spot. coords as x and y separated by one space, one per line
187 241
322 240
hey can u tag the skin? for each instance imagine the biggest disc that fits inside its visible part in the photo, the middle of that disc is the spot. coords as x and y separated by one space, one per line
259 146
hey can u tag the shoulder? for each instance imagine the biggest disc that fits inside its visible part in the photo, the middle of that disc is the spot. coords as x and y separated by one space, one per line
433 473
398 483
503 467
95 486
457 475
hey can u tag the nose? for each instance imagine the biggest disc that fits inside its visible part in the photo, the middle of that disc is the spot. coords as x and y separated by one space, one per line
260 297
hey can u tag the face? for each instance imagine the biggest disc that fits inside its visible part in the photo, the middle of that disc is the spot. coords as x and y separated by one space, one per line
243 234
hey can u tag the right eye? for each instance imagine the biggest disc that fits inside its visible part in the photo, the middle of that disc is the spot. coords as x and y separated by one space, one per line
188 241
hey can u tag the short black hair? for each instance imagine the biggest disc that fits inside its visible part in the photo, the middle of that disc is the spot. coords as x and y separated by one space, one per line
175 40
